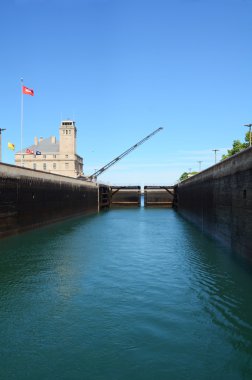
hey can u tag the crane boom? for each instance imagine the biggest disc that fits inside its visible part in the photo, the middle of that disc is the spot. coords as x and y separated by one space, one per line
100 171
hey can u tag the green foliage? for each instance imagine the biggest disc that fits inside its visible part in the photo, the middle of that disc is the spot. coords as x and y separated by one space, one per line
186 175
183 176
237 147
247 137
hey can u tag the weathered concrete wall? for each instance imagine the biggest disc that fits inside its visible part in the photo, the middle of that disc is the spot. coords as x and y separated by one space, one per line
125 196
219 201
158 196
31 198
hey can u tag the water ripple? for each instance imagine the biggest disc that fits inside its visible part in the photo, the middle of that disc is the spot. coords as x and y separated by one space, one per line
137 294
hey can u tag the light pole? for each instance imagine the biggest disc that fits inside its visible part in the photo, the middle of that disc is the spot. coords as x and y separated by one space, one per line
249 126
1 130
200 165
215 155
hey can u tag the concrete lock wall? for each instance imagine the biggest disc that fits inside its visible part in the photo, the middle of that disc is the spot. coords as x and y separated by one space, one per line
31 198
219 201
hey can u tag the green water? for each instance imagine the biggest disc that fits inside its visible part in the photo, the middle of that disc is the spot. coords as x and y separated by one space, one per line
125 294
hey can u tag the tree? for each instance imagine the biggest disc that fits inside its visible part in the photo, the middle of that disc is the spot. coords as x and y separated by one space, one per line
183 176
247 137
237 147
186 175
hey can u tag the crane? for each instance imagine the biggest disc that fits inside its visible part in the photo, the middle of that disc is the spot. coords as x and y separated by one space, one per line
115 160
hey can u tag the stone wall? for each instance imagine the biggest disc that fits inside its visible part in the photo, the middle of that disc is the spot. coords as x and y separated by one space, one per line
219 201
31 198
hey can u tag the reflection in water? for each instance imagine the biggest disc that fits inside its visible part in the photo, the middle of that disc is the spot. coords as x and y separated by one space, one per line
222 284
133 293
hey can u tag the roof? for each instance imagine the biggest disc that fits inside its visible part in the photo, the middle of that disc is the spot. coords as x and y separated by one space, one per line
44 146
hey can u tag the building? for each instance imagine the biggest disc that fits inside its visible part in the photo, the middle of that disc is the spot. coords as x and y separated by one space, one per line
50 155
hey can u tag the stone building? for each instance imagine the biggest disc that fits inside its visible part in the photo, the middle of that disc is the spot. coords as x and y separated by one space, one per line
50 155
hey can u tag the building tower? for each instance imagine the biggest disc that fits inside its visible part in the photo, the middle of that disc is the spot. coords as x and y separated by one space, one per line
68 132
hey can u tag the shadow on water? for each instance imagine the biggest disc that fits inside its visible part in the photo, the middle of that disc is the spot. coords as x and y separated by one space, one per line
26 254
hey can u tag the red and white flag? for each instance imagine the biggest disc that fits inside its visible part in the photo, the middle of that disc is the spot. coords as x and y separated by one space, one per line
29 151
27 91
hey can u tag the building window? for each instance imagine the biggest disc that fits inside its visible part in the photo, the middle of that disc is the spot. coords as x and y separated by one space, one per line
66 156
34 166
44 166
54 156
66 165
54 165
69 132
66 131
44 155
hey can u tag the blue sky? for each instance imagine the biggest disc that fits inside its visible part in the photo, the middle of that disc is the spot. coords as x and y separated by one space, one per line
121 69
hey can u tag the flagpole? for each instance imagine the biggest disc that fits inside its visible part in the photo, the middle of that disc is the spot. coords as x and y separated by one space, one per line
22 120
